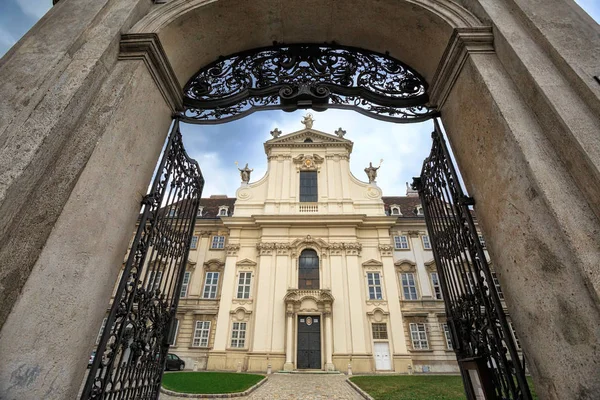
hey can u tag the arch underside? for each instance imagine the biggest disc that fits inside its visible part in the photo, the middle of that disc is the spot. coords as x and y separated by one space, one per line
300 76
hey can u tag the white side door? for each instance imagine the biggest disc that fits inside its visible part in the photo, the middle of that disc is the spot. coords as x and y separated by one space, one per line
382 356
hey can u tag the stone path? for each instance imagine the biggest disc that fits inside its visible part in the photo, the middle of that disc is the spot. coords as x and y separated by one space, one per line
300 387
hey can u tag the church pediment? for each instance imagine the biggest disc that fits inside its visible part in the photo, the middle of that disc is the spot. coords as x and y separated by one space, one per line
372 263
309 138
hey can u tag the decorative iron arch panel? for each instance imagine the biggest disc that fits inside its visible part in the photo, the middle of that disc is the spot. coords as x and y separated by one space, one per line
317 76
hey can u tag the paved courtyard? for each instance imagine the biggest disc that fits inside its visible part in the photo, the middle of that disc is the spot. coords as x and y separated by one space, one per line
302 387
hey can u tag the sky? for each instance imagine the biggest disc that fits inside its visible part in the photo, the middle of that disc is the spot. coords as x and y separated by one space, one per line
403 147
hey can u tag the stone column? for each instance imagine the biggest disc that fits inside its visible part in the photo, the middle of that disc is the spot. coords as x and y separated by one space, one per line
328 340
289 344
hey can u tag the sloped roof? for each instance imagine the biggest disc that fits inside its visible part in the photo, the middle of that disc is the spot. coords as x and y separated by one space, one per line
318 139
407 204
211 206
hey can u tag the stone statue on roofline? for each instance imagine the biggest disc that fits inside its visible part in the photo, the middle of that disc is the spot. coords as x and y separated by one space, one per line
308 121
245 173
371 171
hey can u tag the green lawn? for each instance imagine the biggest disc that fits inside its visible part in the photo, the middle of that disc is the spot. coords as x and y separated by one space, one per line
209 382
415 387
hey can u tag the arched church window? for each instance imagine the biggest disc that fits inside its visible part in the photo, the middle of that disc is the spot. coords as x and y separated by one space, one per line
308 270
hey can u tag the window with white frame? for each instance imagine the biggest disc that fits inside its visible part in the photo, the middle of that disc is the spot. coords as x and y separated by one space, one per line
185 284
401 242
211 283
435 283
419 210
201 334
223 211
172 213
101 331
497 285
238 334
374 284
447 336
481 240
194 243
218 242
173 338
426 242
514 333
395 210
244 279
200 211
409 287
379 331
154 279
418 336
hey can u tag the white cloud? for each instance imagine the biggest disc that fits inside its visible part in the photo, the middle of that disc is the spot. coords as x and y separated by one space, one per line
34 8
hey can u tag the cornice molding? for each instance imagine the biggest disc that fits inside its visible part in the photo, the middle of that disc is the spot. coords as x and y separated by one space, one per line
462 43
147 47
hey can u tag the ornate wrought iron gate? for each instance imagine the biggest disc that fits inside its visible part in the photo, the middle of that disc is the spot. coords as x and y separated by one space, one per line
484 345
132 350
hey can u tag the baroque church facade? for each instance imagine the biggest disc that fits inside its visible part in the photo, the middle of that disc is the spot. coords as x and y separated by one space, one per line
310 267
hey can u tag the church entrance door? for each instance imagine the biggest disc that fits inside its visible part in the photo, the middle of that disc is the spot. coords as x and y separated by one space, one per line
309 342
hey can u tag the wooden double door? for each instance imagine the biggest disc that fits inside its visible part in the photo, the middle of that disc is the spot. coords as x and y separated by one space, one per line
309 342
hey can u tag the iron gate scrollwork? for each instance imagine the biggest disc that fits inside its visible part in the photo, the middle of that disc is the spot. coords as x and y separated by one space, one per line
132 350
317 76
480 333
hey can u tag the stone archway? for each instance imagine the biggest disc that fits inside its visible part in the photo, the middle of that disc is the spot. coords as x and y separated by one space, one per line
517 99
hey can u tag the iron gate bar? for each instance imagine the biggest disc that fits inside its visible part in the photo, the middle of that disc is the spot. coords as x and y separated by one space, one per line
131 354
479 330
297 76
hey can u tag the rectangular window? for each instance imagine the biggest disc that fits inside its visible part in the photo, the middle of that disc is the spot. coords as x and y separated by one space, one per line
308 186
154 279
218 242
101 331
426 242
201 334
481 240
379 331
447 335
497 284
401 242
211 284
243 291
173 337
238 334
374 283
437 289
194 243
512 328
418 335
409 287
185 284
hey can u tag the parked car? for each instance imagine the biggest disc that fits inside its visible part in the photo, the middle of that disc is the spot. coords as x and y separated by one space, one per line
91 360
174 363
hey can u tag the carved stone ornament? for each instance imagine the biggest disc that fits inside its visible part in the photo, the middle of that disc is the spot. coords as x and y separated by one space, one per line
386 249
232 249
353 249
307 162
340 132
213 265
275 133
245 173
372 264
406 266
430 266
308 121
371 172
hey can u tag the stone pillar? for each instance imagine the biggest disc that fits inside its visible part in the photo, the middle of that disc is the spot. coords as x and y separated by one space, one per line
289 342
328 341
356 300
541 231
